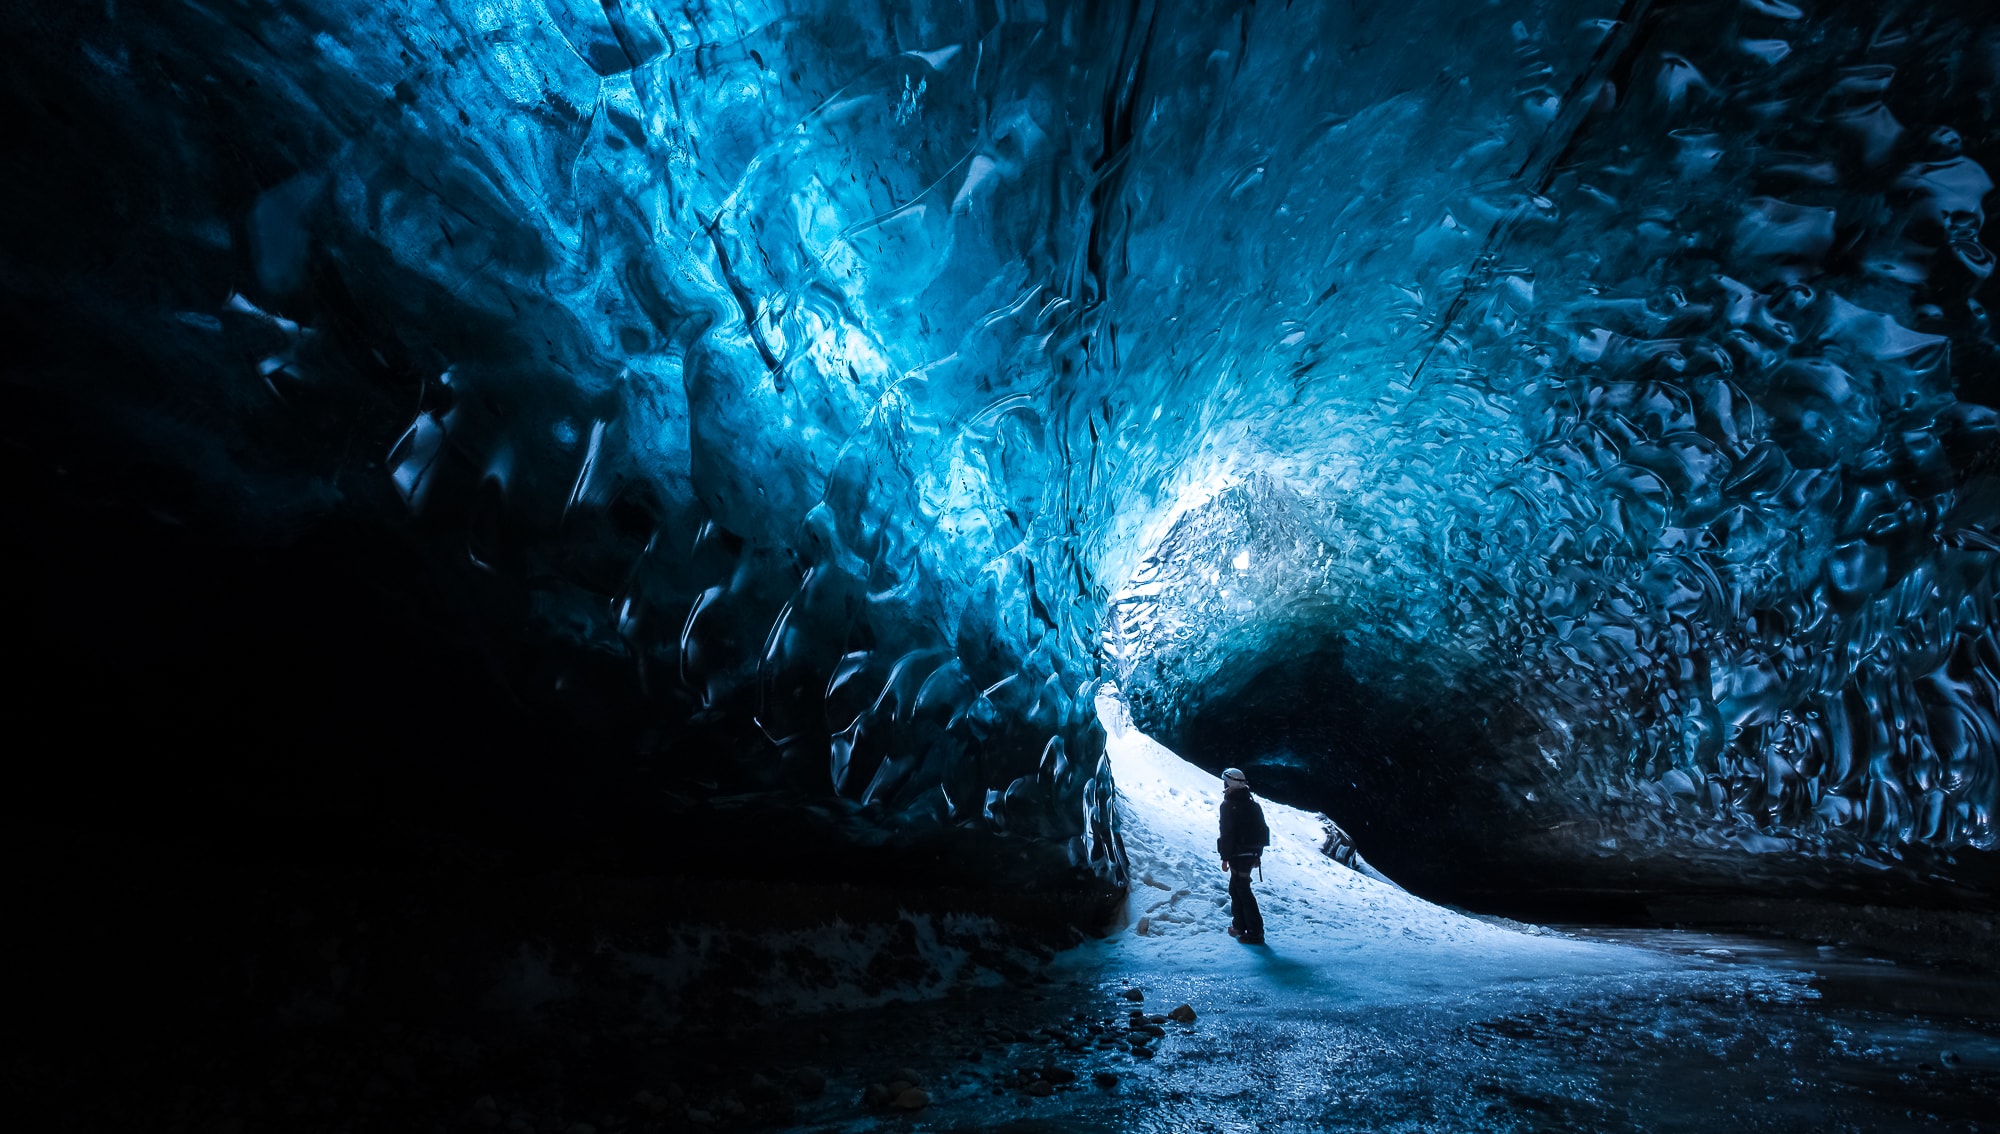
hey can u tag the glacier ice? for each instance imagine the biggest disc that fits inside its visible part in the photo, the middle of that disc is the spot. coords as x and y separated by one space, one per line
877 377
1659 461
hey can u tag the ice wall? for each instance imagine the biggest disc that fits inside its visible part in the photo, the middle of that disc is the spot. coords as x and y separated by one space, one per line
816 272
1641 405
867 378
738 341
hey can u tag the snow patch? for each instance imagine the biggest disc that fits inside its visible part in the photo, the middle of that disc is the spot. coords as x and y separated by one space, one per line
1330 928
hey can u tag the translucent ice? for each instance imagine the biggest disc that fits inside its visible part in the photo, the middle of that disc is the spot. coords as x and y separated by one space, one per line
1670 441
873 376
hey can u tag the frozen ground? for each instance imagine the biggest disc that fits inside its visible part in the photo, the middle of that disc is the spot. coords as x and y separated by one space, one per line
1371 1010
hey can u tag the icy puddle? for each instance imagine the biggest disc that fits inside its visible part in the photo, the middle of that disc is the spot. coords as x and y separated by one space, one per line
1371 1010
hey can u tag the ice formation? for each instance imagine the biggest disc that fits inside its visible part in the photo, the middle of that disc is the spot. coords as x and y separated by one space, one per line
1644 414
872 378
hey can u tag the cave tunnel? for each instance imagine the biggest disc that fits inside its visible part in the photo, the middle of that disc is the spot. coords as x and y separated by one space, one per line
596 564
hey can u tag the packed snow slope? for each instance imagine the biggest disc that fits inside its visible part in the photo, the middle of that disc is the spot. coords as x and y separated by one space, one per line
1332 931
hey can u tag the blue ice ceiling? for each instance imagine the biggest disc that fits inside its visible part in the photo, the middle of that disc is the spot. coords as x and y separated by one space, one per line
887 376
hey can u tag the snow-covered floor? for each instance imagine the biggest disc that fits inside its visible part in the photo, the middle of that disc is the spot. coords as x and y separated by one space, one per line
1372 1010
1334 931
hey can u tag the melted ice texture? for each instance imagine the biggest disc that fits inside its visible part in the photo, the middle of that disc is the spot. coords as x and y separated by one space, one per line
882 372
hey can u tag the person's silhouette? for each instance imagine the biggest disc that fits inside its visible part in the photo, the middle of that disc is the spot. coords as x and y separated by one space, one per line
1241 844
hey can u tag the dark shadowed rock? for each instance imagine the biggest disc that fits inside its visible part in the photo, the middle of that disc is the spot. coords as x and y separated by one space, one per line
809 1082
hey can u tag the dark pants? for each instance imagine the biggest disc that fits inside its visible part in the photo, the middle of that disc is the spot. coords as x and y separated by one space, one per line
1243 911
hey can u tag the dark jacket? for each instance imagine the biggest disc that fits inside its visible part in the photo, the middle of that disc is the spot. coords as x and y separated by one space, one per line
1244 834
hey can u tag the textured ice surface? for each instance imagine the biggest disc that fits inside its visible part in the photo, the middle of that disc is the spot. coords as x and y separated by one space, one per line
867 375
1626 388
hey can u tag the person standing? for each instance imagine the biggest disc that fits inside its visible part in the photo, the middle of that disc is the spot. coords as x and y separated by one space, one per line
1241 844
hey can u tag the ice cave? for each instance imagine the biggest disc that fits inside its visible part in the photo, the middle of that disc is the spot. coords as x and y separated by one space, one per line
618 566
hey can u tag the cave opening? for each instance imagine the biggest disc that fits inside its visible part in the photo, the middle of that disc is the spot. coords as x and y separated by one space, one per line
608 564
